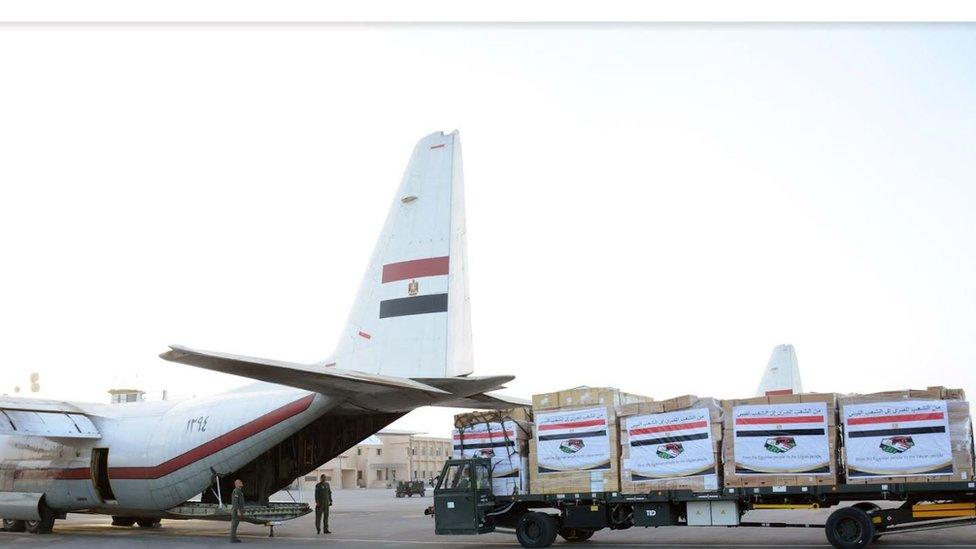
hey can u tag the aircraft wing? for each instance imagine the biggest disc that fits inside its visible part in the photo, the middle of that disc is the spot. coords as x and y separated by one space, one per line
370 391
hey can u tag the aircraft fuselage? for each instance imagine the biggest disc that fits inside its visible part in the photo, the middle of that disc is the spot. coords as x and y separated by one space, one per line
155 455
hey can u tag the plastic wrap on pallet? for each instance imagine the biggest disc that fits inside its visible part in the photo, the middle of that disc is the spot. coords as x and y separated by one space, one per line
670 445
504 442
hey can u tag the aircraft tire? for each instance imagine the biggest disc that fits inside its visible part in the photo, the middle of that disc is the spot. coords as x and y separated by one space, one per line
43 526
148 522
13 525
123 521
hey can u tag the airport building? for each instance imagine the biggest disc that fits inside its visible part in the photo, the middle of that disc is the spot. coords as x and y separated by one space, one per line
383 459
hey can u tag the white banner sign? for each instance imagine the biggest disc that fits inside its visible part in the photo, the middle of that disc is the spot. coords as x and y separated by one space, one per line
670 445
897 438
781 439
572 440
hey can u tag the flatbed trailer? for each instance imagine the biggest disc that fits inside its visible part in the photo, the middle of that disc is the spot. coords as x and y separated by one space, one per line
465 505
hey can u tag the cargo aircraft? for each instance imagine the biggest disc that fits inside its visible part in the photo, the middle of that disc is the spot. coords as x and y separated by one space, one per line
407 344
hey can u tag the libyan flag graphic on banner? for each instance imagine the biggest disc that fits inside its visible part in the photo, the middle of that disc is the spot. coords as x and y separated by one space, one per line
780 445
897 445
670 450
572 445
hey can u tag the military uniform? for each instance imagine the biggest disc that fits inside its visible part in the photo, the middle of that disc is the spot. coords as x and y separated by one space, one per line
236 509
323 499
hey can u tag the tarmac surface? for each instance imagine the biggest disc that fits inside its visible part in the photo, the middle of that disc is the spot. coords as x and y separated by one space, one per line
375 518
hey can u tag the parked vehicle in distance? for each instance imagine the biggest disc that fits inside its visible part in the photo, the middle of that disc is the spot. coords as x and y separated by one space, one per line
410 487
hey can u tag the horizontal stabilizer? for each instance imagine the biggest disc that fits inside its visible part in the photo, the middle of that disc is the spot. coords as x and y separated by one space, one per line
370 391
464 386
485 401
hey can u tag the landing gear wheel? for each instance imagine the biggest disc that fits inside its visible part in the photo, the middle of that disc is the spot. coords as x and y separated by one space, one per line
148 522
12 525
573 535
43 526
123 521
536 530
849 528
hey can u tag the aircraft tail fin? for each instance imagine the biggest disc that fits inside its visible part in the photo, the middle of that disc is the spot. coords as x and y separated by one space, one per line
411 317
782 373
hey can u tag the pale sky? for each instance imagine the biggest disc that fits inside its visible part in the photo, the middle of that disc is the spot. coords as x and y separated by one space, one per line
651 207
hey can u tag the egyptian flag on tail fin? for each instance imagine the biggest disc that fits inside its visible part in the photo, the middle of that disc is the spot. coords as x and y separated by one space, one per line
897 438
415 287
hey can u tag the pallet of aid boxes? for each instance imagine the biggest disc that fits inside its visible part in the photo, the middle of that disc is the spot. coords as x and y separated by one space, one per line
780 440
907 436
671 444
576 444
503 437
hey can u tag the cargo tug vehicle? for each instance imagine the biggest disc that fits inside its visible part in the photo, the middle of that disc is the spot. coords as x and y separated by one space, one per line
464 504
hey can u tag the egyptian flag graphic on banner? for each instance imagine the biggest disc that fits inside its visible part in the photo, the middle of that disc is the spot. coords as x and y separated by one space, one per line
670 445
415 287
781 439
572 440
897 438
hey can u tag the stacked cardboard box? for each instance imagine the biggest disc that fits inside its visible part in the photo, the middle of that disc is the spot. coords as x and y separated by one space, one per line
503 436
672 444
883 429
780 440
576 446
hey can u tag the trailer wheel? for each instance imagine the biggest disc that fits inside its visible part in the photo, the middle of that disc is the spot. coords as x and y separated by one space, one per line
573 535
123 521
849 528
536 530
868 508
12 525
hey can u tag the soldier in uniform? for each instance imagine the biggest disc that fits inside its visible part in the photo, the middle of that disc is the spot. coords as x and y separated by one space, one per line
323 500
236 509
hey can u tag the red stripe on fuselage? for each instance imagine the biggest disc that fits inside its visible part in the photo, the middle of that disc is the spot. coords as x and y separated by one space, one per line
205 450
416 268
900 418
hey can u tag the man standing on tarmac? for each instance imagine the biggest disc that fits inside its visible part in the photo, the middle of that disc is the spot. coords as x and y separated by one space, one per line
236 509
323 500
